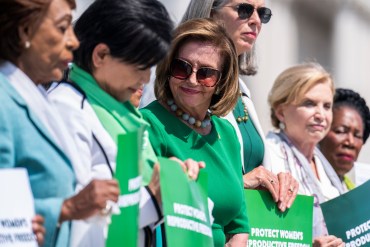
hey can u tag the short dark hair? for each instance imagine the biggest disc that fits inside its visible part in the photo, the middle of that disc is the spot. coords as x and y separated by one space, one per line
15 13
350 98
136 32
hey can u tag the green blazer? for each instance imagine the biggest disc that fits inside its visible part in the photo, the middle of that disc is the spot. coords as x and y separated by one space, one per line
25 142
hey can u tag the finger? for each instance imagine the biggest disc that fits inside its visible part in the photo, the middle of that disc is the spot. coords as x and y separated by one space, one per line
294 188
202 164
38 219
40 238
334 241
193 168
285 180
271 185
38 228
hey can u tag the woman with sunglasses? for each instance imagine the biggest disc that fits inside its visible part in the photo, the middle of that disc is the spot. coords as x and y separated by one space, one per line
195 85
243 22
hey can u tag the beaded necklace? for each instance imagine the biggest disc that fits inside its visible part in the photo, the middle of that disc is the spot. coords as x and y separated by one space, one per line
186 117
244 118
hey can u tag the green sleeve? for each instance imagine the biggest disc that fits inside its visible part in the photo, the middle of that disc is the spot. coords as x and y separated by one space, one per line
241 223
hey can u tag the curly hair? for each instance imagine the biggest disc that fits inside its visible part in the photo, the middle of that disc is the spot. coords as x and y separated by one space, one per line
350 98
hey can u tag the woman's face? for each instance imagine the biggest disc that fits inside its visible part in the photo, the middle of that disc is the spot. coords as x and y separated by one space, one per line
243 32
188 94
309 121
51 46
343 143
121 80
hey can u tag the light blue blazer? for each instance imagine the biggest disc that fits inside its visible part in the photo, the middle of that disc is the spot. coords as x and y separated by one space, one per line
25 142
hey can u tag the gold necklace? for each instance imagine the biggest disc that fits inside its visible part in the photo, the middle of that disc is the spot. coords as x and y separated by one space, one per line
244 118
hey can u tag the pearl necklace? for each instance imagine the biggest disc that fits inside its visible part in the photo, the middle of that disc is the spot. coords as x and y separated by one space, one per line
186 117
244 118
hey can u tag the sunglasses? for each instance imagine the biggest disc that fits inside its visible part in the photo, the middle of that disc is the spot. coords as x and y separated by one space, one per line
206 76
245 11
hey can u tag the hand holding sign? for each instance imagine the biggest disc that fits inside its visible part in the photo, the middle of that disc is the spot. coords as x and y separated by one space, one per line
38 229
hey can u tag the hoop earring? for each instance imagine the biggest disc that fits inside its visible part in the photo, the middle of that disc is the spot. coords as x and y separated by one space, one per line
27 44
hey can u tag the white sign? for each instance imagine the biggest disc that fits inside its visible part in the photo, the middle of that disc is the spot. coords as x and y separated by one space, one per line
16 209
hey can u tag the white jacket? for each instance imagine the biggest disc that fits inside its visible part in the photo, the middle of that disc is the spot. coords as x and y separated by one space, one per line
96 149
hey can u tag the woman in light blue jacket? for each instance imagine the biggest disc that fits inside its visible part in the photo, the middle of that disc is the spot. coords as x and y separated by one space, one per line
36 45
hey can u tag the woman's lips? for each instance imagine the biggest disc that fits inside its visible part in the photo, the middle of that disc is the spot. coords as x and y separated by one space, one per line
317 127
346 157
251 35
189 91
65 63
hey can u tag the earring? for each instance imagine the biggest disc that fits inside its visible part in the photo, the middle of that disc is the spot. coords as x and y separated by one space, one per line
217 91
27 44
282 126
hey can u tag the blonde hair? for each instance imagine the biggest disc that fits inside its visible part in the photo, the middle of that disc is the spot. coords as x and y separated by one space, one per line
291 85
208 31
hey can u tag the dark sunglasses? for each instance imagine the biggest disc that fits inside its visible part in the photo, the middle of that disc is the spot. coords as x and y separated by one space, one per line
206 76
245 11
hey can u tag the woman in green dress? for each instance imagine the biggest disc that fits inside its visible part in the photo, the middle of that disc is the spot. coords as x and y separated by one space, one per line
196 84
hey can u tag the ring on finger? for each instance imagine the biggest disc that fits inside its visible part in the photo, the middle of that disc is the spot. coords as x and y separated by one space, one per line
107 209
291 189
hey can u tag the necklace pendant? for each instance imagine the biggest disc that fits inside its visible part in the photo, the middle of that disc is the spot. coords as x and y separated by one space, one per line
244 118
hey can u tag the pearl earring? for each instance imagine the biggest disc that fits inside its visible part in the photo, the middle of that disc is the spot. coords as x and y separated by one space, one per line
281 126
27 44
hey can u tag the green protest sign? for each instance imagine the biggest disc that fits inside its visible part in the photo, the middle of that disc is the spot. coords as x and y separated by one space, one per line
185 207
348 216
271 227
123 230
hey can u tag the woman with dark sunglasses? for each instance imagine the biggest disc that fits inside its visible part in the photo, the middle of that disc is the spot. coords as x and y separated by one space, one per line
243 22
196 84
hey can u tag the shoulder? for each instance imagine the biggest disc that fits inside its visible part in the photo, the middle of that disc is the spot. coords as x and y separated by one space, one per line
155 113
223 125
65 94
74 109
244 88
70 103
274 142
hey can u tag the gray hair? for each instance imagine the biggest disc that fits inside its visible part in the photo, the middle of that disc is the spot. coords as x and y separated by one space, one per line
203 9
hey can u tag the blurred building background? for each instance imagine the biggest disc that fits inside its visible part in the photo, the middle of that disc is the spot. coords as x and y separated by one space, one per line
334 33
